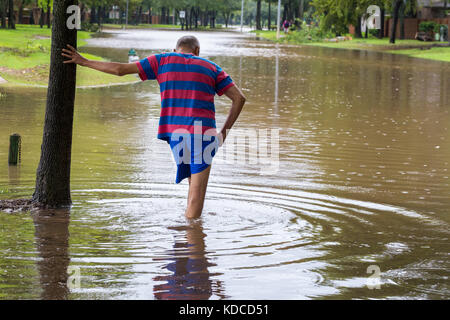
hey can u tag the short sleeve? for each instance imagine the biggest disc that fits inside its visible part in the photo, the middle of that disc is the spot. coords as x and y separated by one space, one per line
148 68
223 81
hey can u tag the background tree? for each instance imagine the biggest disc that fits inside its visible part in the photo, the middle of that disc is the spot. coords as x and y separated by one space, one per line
3 10
53 173
11 23
258 15
227 7
395 10
46 8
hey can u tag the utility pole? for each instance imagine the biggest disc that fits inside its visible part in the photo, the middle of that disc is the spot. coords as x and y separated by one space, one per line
242 14
278 19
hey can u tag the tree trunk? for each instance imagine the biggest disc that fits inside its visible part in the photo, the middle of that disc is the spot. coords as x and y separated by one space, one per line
3 13
48 15
41 18
186 18
53 173
11 24
82 12
196 13
139 17
269 18
358 33
402 21
366 34
99 16
301 9
92 19
382 18
20 20
395 11
227 19
258 15
191 19
290 11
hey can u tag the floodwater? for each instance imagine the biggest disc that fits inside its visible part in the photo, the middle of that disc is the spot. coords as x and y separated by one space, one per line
361 196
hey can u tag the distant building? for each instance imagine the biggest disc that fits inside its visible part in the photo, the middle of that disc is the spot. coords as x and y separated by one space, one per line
429 9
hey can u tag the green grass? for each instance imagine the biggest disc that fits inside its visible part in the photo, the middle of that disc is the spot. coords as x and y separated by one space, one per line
269 35
25 58
439 54
405 47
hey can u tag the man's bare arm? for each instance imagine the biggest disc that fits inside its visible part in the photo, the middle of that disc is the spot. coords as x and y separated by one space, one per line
238 101
115 68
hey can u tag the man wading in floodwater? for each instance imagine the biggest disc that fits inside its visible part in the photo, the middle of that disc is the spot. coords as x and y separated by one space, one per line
188 84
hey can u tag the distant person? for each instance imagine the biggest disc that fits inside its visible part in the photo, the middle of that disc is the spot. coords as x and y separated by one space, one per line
286 25
187 122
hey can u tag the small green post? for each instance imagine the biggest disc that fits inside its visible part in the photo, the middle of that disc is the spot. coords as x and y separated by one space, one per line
14 149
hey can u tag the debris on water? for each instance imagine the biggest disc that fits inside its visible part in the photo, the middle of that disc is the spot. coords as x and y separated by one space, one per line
17 205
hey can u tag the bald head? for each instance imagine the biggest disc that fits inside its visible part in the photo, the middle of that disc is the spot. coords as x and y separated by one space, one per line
188 44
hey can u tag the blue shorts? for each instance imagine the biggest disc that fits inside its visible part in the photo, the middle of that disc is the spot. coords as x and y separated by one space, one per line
192 153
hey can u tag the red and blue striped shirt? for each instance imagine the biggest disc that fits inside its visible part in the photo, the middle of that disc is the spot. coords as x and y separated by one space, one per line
188 84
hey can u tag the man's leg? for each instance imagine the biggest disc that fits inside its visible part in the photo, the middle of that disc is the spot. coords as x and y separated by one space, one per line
197 190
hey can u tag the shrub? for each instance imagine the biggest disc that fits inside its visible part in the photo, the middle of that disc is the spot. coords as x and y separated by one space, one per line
86 26
309 34
427 26
374 32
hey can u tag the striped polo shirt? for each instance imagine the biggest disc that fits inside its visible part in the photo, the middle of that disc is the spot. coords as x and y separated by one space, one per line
188 84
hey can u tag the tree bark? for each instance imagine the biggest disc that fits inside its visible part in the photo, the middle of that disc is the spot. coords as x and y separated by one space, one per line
3 13
92 18
358 33
41 18
269 18
395 11
258 15
11 24
139 17
48 15
20 18
53 173
382 18
163 15
99 16
196 13
402 21
213 19
301 9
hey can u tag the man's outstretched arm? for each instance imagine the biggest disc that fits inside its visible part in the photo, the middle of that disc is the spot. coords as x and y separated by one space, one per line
115 68
238 101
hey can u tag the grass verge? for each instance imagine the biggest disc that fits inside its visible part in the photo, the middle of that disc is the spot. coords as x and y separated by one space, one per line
25 58
412 48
